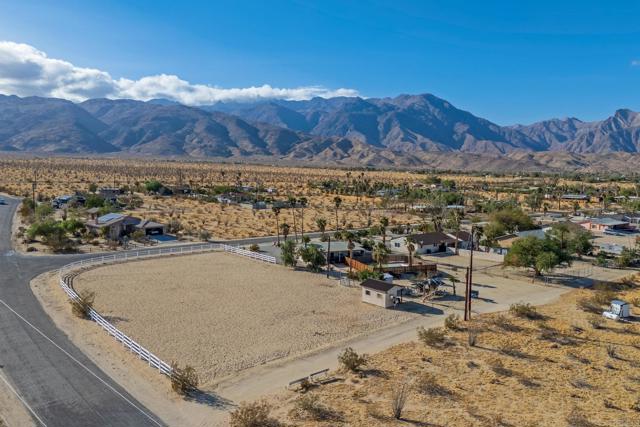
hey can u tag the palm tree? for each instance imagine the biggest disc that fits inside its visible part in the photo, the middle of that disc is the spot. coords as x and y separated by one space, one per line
276 212
454 280
322 225
349 236
302 202
457 217
411 247
380 253
292 204
384 223
337 201
305 240
285 230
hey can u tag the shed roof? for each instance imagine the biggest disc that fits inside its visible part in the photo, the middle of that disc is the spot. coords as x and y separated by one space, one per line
377 285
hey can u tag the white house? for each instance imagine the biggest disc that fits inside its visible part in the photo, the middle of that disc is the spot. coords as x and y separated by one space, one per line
425 243
379 293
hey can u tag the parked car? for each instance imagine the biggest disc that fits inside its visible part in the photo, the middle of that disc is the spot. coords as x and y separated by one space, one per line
2 201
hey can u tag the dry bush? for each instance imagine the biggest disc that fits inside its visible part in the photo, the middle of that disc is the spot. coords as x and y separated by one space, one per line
351 360
433 337
596 322
399 396
588 305
82 306
504 323
183 380
525 311
427 383
452 322
472 338
255 414
603 297
577 419
612 351
309 407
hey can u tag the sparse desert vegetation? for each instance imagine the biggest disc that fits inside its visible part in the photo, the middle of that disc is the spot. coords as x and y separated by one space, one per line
524 371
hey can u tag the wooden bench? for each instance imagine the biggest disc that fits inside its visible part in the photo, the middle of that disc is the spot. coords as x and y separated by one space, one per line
314 378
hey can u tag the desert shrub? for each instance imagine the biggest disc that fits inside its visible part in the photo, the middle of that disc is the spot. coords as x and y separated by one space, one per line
498 367
636 301
636 406
428 384
351 360
432 337
612 352
504 323
452 322
204 235
596 322
577 419
511 350
472 338
588 305
603 297
256 414
183 380
399 396
309 407
81 306
254 247
525 311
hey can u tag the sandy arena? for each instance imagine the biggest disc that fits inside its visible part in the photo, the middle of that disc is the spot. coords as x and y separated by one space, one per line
222 313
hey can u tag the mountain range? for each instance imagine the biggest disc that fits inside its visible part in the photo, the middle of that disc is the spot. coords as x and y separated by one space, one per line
403 131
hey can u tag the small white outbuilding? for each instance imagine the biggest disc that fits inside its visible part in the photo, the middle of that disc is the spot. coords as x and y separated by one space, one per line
380 293
618 310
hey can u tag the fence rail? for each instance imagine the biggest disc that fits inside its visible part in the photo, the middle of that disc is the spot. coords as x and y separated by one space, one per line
66 279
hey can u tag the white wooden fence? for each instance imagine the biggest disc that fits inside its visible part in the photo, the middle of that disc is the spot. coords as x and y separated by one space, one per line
66 277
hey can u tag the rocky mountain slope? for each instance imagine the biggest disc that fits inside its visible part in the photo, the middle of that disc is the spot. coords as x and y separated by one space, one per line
406 131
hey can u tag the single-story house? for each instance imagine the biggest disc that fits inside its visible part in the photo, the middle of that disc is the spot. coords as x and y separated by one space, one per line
338 250
464 239
605 223
380 293
151 228
507 240
425 243
610 248
109 193
576 197
113 225
93 212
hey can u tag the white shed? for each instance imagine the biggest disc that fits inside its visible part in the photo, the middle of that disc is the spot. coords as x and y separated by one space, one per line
380 293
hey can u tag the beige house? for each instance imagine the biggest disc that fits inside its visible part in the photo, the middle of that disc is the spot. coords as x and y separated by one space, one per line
380 293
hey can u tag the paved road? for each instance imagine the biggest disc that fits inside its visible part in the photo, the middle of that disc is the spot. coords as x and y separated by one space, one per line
61 386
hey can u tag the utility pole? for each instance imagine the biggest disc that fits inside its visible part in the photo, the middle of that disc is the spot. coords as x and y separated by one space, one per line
466 295
34 186
328 254
467 298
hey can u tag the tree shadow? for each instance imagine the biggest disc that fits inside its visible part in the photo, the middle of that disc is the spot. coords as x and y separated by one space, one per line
209 399
114 320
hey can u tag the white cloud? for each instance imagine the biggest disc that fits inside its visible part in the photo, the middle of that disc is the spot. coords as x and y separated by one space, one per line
27 71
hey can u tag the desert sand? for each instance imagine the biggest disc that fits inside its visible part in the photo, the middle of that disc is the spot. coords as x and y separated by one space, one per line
222 313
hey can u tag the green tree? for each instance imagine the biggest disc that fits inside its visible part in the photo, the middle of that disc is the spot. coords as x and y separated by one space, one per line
152 186
322 226
411 247
380 254
285 230
384 223
541 255
276 213
313 256
288 253
337 202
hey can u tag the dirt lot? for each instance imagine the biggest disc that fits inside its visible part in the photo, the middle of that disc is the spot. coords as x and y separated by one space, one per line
222 313
556 371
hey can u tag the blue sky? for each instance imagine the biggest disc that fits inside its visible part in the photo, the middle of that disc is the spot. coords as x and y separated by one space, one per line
506 61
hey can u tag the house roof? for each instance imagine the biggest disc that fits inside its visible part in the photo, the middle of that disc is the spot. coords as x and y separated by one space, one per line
337 246
146 224
377 285
433 238
608 221
111 219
